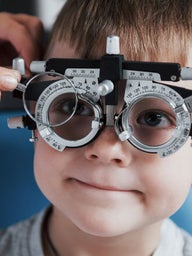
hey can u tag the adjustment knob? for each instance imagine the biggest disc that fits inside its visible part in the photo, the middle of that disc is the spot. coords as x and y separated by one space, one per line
113 45
105 87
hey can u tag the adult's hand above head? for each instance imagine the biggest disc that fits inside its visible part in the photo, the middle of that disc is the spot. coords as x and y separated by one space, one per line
20 35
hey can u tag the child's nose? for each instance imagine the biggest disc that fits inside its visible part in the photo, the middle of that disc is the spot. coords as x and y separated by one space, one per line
108 149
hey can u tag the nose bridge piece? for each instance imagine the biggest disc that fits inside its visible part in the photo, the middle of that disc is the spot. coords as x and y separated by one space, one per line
110 114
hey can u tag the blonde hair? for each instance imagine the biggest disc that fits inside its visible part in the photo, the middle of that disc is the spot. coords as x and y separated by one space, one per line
154 30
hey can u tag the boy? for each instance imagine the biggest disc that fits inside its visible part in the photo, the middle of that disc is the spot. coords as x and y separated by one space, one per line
108 197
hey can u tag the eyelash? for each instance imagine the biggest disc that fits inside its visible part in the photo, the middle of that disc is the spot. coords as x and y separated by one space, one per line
81 109
157 117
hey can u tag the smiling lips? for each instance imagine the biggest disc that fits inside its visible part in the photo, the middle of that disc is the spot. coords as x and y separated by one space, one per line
101 187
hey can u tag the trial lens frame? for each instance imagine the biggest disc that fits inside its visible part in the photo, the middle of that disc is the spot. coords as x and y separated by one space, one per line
106 74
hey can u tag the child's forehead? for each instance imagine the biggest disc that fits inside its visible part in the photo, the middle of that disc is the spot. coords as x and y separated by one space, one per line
62 49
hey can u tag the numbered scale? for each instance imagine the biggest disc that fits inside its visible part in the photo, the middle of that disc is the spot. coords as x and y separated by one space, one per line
75 99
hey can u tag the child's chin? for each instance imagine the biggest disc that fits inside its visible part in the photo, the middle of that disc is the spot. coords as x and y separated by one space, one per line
104 227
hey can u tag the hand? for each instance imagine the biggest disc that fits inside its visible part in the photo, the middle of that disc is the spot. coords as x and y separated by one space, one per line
8 79
20 35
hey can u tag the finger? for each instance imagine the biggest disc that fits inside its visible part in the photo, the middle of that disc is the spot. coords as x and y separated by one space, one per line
35 29
8 79
33 24
20 37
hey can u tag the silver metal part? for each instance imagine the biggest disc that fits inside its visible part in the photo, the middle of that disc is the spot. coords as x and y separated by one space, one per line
188 103
21 87
86 92
19 65
186 73
124 135
110 112
59 143
33 138
137 91
40 76
37 66
140 75
83 72
105 87
113 46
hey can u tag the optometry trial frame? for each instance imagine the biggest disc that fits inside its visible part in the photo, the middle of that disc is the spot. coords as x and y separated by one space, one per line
76 98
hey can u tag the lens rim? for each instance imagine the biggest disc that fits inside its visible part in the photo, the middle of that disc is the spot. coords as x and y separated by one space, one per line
59 143
137 92
46 98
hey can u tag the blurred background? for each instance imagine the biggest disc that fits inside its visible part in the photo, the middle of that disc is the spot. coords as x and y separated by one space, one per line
45 9
19 194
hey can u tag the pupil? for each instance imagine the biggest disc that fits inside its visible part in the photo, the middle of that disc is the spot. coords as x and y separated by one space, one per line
152 119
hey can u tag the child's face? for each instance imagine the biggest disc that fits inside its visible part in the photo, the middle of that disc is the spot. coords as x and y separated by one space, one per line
108 187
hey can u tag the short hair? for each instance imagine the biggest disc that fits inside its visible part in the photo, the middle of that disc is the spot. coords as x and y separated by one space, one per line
151 30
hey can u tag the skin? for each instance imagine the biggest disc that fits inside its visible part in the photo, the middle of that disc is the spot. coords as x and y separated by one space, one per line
20 35
108 195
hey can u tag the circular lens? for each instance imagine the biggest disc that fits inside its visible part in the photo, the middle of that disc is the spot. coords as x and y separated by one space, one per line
45 96
80 128
155 118
61 109
152 121
80 124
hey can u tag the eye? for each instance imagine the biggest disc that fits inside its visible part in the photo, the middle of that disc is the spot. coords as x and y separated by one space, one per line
67 107
155 119
83 109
